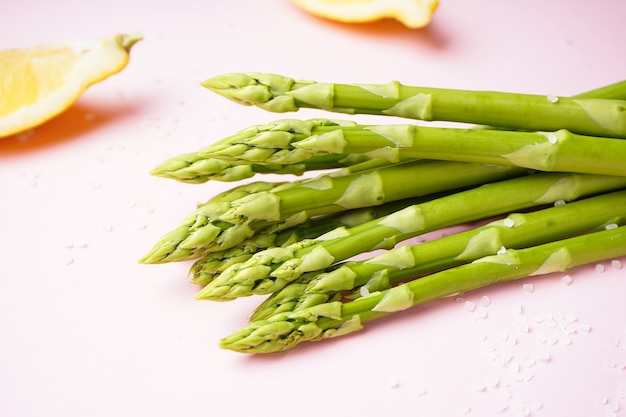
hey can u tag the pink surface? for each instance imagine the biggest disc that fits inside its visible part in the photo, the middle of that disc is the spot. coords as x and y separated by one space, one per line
86 331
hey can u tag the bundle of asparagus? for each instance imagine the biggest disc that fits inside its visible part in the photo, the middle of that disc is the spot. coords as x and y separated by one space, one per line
543 175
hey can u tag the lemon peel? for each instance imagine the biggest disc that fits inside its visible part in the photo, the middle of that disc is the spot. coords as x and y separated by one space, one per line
38 83
412 13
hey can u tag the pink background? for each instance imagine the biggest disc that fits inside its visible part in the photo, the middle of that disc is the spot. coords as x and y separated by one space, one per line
87 331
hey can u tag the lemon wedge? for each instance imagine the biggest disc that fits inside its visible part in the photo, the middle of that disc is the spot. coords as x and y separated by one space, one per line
412 13
39 82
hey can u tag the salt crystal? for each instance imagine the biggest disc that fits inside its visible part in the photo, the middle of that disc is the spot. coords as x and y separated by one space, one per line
611 226
600 268
614 342
364 292
559 203
616 264
529 362
517 308
543 356
485 300
420 390
501 251
508 222
506 394
107 228
393 383
480 387
566 280
493 382
552 98
584 327
500 408
81 244
552 138
528 288
603 400
523 326
68 260
565 340
470 306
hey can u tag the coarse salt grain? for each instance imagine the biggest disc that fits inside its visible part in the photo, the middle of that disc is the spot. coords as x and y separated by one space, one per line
501 251
364 292
421 390
611 226
552 98
552 138
393 383
528 287
485 300
470 306
559 203
600 268
566 280
500 408
517 308
508 222
616 264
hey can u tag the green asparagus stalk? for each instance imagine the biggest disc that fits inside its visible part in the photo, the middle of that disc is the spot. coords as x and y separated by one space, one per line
546 151
276 93
222 226
516 231
212 264
193 168
285 331
271 270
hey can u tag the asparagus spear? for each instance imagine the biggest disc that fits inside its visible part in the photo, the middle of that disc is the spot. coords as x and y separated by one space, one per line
287 330
546 151
276 93
221 226
516 231
193 168
271 270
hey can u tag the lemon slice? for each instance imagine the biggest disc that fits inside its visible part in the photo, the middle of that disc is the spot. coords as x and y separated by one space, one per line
412 13
39 82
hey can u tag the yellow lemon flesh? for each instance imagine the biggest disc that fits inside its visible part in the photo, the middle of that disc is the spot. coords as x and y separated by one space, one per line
40 82
412 13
